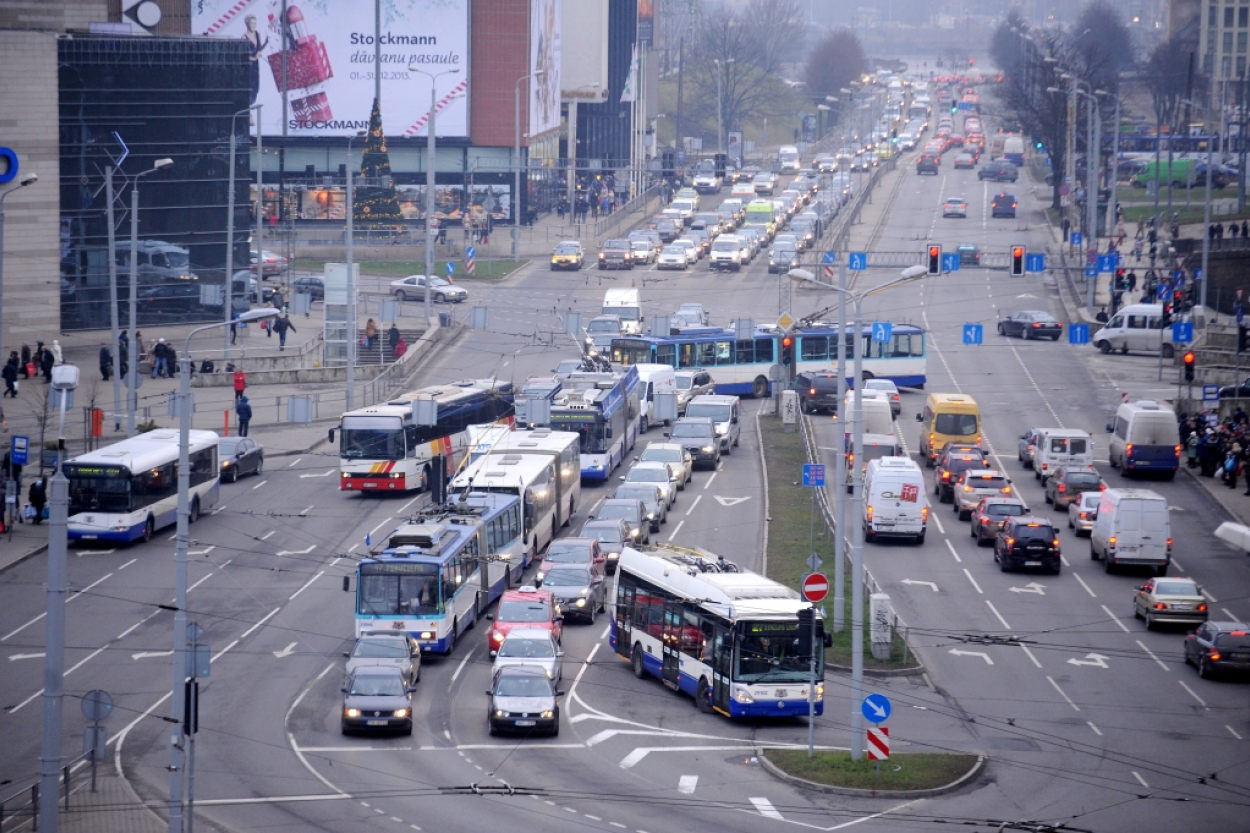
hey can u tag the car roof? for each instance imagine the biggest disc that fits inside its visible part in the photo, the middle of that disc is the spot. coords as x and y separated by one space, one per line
1226 625
528 633
526 594
595 523
991 500
522 671
377 671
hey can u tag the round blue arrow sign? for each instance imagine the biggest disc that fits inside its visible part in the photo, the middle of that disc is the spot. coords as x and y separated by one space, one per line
876 708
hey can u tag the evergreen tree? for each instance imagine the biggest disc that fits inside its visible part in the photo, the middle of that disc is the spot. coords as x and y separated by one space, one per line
376 205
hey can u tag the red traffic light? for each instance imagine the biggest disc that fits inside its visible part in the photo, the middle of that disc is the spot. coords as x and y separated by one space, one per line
787 341
935 251
1189 358
1018 251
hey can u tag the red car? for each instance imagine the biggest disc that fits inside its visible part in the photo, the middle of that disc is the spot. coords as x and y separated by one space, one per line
527 607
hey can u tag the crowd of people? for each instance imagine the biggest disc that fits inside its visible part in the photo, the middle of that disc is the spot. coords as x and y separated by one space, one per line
1217 448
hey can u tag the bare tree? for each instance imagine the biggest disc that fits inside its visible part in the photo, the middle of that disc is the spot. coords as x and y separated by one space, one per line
835 61
1166 76
1101 45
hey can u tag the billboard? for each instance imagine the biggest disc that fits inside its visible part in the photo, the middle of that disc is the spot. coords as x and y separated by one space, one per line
329 55
545 18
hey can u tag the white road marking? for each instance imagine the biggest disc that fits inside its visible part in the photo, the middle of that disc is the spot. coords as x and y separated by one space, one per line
1062 694
198 583
930 584
687 784
1096 660
974 581
304 551
462 664
325 473
697 498
296 463
996 613
1115 619
379 526
766 809
1194 694
1209 597
291 738
676 529
981 654
19 706
258 485
1177 565
952 549
304 514
277 799
1233 732
582 670
286 652
1140 779
146 654
124 566
1095 728
1086 586
941 529
73 596
708 484
1030 653
265 537
1230 615
404 508
1152 655
306 584
731 501
1031 587
633 758
13 657
268 616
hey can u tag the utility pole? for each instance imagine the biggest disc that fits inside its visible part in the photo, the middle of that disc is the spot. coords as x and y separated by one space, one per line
681 70
839 472
54 662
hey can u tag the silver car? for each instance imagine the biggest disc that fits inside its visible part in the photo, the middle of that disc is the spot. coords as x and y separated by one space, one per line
386 648
524 700
675 455
531 647
1082 513
654 474
976 484
580 590
692 383
654 498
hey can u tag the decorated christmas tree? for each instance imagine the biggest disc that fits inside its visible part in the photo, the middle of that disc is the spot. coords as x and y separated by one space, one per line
376 203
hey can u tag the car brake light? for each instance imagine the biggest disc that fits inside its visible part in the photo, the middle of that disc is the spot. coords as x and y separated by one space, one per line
946 475
811 392
1102 487
869 513
1036 325
985 519
1055 543
1062 488
1214 656
1006 490
1236 633
1011 541
1128 448
1201 608
1160 606
967 488
1111 542
1083 516
1177 451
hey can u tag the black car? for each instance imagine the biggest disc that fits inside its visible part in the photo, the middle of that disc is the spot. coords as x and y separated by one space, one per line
948 469
698 435
313 285
1031 323
818 391
999 171
1219 646
1004 205
969 255
240 456
522 699
1027 541
377 697
1241 391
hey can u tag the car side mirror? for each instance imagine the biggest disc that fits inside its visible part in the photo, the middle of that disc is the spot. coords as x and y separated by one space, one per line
1109 428
667 434
490 617
919 418
347 653
622 478
489 693
344 689
828 640
560 618
410 691
559 693
559 653
347 584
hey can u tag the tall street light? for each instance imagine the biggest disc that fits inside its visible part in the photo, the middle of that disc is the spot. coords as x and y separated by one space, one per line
351 279
132 351
260 264
429 181
29 179
177 707
1113 173
516 192
911 273
720 130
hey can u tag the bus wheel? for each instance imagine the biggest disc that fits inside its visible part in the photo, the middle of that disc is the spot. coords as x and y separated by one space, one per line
451 640
148 529
644 426
635 659
426 477
868 376
759 388
568 519
702 699
195 511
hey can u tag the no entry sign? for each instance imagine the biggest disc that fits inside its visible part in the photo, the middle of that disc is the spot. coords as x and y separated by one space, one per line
815 587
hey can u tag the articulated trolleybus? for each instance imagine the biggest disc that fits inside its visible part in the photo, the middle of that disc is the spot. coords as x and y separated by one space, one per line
128 490
605 409
729 638
441 570
383 449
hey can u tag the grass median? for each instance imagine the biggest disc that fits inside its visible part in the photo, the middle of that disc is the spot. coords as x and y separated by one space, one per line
492 269
911 771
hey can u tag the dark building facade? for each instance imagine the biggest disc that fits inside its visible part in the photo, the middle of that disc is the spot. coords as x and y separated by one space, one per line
604 128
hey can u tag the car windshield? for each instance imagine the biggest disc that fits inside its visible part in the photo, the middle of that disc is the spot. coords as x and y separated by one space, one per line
1083 479
624 511
959 465
692 430
227 448
566 553
986 481
605 326
956 425
527 648
1089 500
662 455
380 649
566 250
648 475
519 611
605 534
565 577
716 413
1032 532
377 685
1004 510
645 493
1234 641
676 251
1175 588
527 685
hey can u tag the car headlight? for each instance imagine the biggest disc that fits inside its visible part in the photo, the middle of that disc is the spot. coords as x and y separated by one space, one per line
496 637
742 694
548 714
401 712
225 464
651 516
707 449
720 431
500 713
581 602
351 712
585 591
820 692
541 575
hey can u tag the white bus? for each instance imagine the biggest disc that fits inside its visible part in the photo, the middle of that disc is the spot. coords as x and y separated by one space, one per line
128 490
563 447
532 478
383 449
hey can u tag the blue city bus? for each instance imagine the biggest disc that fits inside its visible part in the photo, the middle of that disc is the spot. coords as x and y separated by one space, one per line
439 571
741 367
605 410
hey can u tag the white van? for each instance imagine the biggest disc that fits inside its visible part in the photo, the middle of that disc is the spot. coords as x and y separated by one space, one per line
1061 447
1145 437
878 415
895 503
626 304
1137 327
1132 527
723 411
655 379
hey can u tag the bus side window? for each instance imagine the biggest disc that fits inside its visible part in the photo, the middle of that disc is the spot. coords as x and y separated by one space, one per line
765 351
707 354
746 352
724 352
687 355
813 348
666 354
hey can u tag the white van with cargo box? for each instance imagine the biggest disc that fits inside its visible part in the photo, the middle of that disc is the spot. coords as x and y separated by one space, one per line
1062 447
627 305
1132 528
895 503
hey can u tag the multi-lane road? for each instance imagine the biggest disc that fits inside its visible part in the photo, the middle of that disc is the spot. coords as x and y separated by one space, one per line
1093 720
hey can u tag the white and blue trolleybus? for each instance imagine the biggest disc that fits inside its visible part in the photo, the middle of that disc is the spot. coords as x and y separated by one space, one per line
605 410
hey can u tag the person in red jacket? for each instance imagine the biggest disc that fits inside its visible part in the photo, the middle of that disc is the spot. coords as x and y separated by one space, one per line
240 383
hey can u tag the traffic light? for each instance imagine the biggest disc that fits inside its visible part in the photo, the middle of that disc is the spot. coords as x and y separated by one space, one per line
1017 261
935 259
807 617
1189 366
787 351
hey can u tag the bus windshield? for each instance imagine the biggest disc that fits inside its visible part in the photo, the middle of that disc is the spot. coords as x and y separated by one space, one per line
594 435
98 489
630 352
769 652
371 438
398 590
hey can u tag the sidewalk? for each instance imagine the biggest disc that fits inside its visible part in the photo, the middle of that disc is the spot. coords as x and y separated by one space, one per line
1234 501
112 808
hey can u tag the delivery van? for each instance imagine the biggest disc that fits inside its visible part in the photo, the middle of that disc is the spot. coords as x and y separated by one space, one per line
1145 437
1062 447
1137 327
655 379
879 436
1178 173
947 418
626 304
895 503
1132 528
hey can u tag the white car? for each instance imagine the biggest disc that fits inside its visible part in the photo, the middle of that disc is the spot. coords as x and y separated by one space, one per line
644 251
532 647
676 456
1082 513
654 474
673 257
889 389
413 287
689 248
955 207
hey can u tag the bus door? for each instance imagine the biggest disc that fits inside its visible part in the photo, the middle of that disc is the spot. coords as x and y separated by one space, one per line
722 665
624 612
671 644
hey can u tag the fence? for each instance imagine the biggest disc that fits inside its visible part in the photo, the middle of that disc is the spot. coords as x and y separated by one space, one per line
21 808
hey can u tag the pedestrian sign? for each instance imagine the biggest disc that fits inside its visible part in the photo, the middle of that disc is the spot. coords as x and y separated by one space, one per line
882 332
813 474
972 333
1182 332
1076 238
950 261
876 708
1035 262
1210 393
857 261
1078 334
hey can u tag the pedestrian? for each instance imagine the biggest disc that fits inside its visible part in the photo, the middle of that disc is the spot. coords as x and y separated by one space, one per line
1101 317
264 325
1191 450
1132 281
1219 232
1245 230
38 497
45 363
10 375
243 409
106 361
141 351
282 325
240 383
1231 461
234 329
276 300
371 332
160 359
207 366
1233 228
393 338
58 355
23 363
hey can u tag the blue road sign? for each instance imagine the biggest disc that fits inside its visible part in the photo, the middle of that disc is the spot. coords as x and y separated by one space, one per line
1198 273
1076 238
1210 393
950 261
829 257
19 449
1182 332
1165 290
470 252
1078 334
813 474
857 261
1034 262
972 333
1106 263
1091 272
1178 275
882 331
451 267
876 708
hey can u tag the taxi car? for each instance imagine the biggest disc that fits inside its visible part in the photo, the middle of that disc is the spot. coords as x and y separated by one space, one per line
1175 599
568 256
525 607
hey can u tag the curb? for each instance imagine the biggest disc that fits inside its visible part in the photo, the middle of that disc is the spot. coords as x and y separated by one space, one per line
1208 485
958 783
909 671
42 548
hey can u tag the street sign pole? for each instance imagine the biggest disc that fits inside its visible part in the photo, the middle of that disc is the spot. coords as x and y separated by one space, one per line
839 471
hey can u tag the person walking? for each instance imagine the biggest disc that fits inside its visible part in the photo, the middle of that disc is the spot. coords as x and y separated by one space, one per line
243 409
392 338
234 329
46 361
106 362
240 383
1245 230
123 354
281 325
371 332
1132 281
57 355
1191 450
38 497
10 375
1233 228
24 363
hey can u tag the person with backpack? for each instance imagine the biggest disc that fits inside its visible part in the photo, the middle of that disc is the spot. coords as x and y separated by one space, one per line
281 325
244 411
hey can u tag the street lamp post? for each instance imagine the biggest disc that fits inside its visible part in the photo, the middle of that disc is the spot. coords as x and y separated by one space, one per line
1114 167
132 353
429 182
29 179
351 280
260 266
908 275
177 708
516 190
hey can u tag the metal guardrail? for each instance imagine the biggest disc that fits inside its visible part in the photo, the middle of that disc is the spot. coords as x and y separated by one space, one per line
14 818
